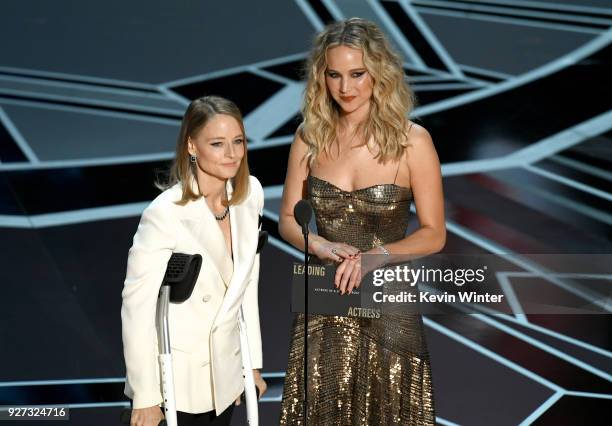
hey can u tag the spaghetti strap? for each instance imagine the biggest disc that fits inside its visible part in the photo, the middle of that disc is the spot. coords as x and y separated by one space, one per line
397 171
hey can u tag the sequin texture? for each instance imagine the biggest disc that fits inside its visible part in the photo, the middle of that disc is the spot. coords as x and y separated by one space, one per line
361 371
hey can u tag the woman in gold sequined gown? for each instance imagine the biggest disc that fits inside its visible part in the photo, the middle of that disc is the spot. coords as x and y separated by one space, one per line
361 162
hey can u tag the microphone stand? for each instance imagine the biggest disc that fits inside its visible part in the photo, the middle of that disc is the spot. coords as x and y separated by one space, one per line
305 233
302 212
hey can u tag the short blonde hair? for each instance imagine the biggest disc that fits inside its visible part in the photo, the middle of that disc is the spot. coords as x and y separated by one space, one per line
198 114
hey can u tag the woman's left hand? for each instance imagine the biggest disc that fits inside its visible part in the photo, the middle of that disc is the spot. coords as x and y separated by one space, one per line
348 275
261 384
351 271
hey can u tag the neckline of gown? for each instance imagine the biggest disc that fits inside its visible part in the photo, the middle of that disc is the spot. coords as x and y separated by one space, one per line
361 189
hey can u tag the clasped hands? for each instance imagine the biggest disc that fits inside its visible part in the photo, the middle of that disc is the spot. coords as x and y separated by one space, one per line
348 258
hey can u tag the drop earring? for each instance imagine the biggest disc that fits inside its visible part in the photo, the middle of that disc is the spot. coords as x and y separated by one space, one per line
193 158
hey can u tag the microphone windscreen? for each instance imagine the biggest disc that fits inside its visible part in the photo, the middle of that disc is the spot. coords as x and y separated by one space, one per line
302 212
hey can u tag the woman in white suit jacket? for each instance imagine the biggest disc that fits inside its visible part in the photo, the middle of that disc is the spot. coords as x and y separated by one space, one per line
211 206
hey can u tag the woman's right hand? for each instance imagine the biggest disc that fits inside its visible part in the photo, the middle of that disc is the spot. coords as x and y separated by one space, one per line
150 416
334 252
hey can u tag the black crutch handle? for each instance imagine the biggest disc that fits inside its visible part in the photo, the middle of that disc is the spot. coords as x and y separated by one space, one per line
181 275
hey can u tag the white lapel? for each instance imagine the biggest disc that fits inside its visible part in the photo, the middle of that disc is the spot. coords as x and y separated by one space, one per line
244 245
199 219
237 249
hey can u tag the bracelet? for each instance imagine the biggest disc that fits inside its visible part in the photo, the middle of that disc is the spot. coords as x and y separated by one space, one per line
384 250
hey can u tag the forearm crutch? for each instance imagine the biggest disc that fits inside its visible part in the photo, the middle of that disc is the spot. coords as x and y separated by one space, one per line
251 395
178 283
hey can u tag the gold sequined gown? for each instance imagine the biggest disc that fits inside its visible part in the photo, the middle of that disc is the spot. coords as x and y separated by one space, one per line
361 371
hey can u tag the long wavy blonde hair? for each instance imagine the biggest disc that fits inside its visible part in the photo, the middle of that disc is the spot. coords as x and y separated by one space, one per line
391 101
198 114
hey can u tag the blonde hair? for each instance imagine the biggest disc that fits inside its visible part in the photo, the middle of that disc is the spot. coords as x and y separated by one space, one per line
198 114
391 101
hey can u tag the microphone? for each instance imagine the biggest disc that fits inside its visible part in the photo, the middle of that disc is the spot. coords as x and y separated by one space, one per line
303 213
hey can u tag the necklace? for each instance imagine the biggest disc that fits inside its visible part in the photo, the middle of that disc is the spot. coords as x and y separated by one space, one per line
222 215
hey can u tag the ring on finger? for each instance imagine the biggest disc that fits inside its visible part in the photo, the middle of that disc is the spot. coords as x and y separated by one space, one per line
334 250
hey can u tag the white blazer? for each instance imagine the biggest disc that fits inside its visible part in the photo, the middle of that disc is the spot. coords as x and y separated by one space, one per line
204 334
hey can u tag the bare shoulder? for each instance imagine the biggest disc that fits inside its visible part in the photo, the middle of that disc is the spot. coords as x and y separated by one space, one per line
299 151
420 151
418 136
298 141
